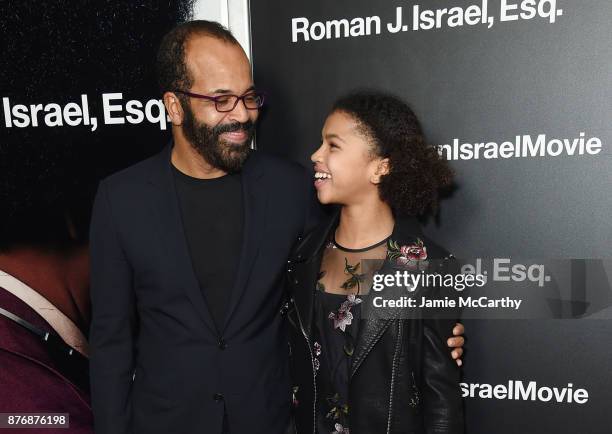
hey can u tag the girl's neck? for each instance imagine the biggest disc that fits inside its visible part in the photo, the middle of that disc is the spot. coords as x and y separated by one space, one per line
363 225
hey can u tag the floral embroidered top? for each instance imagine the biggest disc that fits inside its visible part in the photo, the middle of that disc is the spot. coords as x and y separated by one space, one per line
345 275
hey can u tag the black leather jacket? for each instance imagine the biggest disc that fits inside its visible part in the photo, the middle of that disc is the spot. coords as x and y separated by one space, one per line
402 377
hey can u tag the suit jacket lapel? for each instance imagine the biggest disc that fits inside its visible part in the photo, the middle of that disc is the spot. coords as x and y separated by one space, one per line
173 236
255 202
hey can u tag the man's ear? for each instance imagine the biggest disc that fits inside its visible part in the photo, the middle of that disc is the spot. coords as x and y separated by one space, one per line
174 108
382 169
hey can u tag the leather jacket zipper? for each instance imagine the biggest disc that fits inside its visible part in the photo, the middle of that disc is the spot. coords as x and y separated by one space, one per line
398 346
314 372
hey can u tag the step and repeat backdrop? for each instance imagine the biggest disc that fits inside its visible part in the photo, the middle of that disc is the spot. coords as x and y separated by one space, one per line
79 100
517 95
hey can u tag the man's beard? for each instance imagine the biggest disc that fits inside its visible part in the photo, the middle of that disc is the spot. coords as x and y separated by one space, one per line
223 155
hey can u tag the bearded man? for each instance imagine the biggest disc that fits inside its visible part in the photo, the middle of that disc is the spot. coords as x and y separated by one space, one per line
189 250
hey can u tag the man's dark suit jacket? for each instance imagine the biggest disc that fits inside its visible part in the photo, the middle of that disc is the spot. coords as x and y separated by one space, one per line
150 319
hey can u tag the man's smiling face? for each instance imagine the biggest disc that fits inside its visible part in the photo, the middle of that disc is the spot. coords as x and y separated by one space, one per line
218 68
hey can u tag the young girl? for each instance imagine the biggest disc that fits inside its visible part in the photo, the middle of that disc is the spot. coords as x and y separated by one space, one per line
372 376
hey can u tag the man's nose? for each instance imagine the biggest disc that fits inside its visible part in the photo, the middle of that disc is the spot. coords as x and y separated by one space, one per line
239 113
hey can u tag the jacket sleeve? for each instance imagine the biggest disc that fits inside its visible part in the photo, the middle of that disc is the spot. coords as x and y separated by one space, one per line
113 323
440 379
443 404
314 210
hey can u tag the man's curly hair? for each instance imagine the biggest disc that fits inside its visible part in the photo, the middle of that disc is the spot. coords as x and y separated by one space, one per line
417 173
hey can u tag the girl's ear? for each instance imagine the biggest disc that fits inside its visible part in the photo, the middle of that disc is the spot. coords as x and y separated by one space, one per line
382 169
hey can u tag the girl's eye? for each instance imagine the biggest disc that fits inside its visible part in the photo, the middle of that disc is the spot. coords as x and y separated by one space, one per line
333 145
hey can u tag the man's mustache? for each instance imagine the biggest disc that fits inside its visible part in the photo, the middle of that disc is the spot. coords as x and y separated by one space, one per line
248 127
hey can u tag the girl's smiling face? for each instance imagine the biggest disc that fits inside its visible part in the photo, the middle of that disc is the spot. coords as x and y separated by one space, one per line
347 169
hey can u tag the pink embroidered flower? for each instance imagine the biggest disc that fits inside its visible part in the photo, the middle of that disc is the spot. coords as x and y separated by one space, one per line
341 319
412 256
414 252
317 352
339 429
344 316
408 263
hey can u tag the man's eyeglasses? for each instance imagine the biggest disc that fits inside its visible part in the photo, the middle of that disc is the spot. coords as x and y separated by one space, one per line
226 103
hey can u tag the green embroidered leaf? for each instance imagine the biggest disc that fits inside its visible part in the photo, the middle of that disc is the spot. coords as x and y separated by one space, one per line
394 255
350 269
355 279
350 283
348 349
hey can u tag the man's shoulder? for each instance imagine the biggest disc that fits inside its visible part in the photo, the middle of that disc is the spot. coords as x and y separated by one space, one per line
133 177
136 171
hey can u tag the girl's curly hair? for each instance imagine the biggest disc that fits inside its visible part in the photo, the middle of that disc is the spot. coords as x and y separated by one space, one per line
416 170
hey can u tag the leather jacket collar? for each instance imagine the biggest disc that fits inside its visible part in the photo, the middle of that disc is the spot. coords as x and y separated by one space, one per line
305 264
